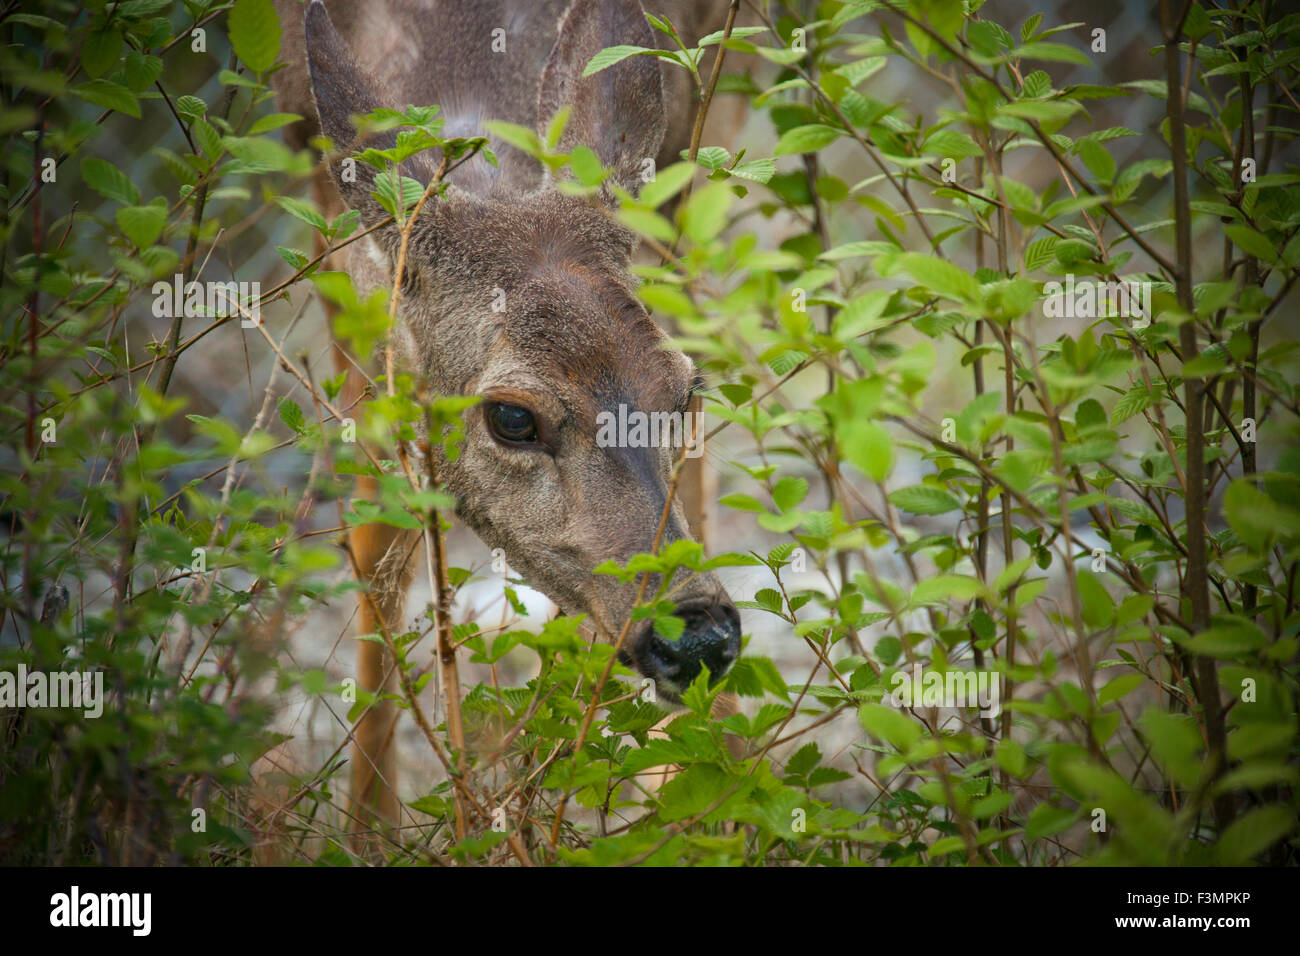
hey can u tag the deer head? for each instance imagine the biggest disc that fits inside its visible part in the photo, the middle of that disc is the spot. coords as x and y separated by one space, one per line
572 342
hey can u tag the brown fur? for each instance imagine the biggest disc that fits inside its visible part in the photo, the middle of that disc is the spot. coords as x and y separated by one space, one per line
573 339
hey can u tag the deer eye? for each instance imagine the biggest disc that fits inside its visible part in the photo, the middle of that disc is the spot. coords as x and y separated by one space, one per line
513 424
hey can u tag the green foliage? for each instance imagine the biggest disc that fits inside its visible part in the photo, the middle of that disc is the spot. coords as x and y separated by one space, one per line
958 480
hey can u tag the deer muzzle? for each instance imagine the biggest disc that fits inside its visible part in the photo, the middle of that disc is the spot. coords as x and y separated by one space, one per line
711 638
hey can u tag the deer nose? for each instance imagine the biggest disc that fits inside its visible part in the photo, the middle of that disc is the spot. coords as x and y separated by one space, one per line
711 637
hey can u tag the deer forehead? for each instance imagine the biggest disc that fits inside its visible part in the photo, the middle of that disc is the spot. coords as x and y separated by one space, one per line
583 331
546 281
511 236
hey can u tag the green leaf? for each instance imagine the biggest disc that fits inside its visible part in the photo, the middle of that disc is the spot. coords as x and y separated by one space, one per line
1205 365
805 139
1119 687
611 55
1133 401
100 51
758 170
586 166
1011 757
1251 242
1227 641
1040 111
789 492
752 675
1098 606
1055 52
303 210
109 96
705 214
291 415
190 107
142 70
889 725
272 121
742 503
142 224
520 137
1258 519
1253 833
669 626
255 33
1098 159
1047 820
952 143
944 588
868 446
945 845
257 154
109 181
296 258
713 157
209 140
939 275
668 182
1175 744
924 500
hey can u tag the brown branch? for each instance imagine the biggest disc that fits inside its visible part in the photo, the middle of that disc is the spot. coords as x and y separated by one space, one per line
1196 578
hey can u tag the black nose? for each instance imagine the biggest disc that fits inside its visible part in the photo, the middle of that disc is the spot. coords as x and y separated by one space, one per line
710 638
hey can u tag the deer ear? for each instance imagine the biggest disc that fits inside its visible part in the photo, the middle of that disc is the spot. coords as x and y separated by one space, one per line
618 112
340 93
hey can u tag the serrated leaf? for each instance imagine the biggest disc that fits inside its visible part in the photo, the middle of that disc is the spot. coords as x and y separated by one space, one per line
142 224
1133 401
805 139
109 96
1098 159
1119 687
109 181
611 55
789 492
142 70
757 170
190 107
1258 519
272 121
712 157
255 33
1054 52
868 446
1098 606
940 276
1254 832
1040 252
668 182
291 415
1251 242
924 500
889 725
100 51
303 210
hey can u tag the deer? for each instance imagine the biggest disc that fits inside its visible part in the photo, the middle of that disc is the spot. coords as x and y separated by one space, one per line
573 341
